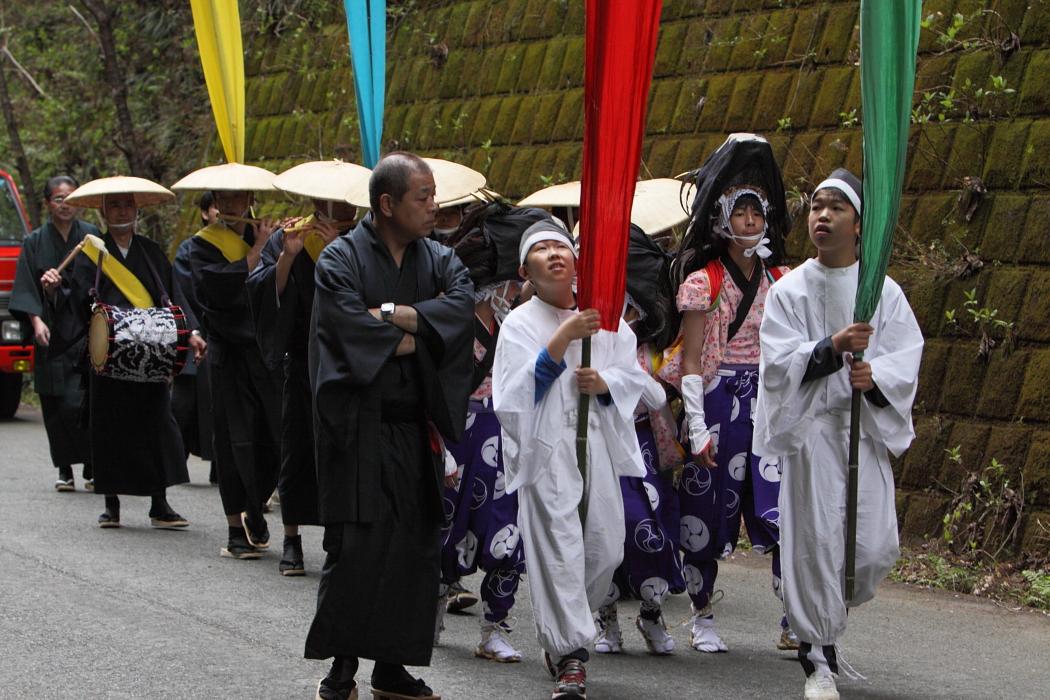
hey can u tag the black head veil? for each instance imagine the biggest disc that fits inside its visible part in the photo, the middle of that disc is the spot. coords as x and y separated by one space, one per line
741 159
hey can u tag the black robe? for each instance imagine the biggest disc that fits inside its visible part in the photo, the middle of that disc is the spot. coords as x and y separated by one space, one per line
56 378
245 393
283 331
191 390
380 478
136 447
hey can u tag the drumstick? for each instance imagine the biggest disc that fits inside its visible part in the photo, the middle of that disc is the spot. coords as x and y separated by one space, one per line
69 258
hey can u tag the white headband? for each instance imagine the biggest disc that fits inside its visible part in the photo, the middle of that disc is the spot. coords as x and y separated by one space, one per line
843 187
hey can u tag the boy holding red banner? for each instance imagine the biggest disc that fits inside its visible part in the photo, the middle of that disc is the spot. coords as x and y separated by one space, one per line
570 556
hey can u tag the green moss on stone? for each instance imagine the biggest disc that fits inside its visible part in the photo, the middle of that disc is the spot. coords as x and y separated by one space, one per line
803 98
772 98
726 32
1036 26
531 66
835 41
485 120
693 48
716 102
522 170
1005 227
923 460
925 511
1035 239
1034 323
453 28
452 74
1037 469
741 108
553 60
525 122
935 72
830 98
1002 388
570 117
510 69
546 117
1037 155
475 25
1036 538
808 24
967 154
927 159
928 221
685 112
662 103
971 439
505 119
514 19
572 68
569 162
661 157
965 373
574 18
931 376
747 50
492 67
1035 395
800 167
499 173
668 48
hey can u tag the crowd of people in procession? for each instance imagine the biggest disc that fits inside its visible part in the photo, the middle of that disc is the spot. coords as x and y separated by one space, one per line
404 367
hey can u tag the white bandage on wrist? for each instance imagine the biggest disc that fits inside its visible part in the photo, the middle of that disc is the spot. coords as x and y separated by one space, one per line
693 398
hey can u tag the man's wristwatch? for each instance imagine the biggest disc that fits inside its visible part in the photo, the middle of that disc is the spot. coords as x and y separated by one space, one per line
386 311
196 333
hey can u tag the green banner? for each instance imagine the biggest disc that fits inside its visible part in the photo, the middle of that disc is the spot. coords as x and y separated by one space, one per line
889 41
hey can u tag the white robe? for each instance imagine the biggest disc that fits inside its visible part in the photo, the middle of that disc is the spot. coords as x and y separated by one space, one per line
807 425
570 570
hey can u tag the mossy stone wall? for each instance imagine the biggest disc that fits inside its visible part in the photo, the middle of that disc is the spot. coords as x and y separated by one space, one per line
497 85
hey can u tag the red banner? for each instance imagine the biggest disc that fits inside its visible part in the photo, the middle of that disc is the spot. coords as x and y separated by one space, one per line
620 47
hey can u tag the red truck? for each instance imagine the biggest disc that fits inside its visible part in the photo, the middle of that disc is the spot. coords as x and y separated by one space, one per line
16 354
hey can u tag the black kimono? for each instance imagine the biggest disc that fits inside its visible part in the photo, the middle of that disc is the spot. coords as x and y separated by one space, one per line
282 327
56 378
136 448
191 390
245 393
379 473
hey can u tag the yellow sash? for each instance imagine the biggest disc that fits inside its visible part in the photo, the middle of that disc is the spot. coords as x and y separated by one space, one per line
122 277
231 245
314 244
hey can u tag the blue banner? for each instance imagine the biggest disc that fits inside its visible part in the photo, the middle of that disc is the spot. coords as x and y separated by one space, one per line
366 23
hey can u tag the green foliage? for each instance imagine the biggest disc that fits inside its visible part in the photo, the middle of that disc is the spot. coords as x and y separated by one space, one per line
984 518
982 322
1038 595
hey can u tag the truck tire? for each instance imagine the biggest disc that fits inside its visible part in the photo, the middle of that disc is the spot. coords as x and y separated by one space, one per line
10 394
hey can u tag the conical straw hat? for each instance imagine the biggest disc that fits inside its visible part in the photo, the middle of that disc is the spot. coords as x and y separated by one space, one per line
566 194
147 193
235 177
330 180
482 195
661 204
454 181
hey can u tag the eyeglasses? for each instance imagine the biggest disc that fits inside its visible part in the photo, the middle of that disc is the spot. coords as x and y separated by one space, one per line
58 199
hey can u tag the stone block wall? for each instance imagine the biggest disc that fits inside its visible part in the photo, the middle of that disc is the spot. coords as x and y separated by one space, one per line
497 85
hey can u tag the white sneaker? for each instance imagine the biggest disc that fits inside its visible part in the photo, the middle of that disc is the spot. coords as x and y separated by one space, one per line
610 638
655 635
821 686
496 646
705 636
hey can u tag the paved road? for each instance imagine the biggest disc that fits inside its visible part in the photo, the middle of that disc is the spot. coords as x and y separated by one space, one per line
137 613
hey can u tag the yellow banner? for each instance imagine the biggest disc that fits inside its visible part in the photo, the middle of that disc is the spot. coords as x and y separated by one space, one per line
218 27
231 245
124 279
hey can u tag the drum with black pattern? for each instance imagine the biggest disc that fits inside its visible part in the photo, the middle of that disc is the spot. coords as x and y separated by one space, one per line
138 345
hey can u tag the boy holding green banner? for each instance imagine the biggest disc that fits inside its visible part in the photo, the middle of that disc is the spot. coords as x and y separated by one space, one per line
807 378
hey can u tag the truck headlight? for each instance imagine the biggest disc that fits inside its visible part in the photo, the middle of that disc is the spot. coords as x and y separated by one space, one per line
11 331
